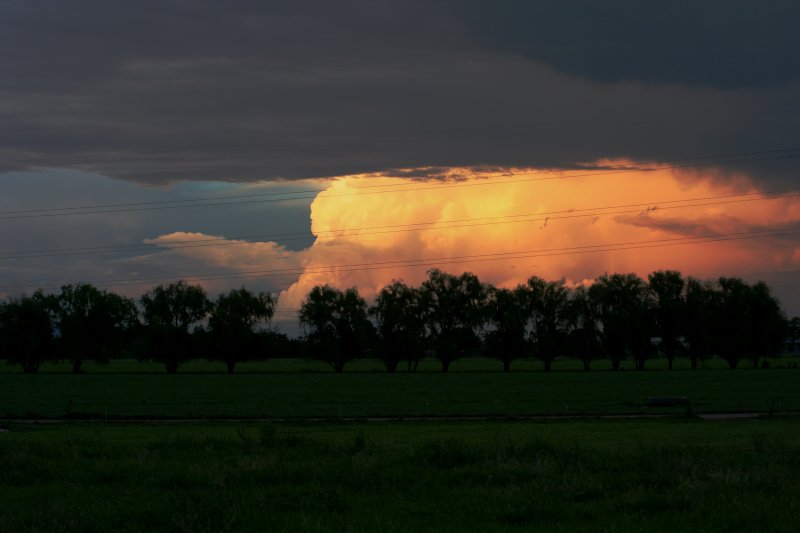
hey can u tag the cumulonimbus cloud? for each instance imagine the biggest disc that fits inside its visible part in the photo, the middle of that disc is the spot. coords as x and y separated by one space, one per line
370 230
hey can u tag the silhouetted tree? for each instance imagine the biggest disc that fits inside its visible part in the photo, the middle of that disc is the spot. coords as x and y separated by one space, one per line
234 319
170 311
508 314
454 308
339 328
702 302
583 331
398 314
624 313
768 324
548 306
27 330
670 310
92 323
279 345
732 316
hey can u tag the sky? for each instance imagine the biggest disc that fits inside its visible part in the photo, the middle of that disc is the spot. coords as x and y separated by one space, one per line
279 145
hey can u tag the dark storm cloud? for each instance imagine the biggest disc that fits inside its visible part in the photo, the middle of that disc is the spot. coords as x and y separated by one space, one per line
237 91
718 43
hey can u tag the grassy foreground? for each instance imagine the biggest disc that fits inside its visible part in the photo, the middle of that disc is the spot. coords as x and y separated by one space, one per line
283 394
652 475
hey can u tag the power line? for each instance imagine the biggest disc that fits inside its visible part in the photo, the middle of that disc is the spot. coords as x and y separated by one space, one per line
615 170
418 226
436 261
270 197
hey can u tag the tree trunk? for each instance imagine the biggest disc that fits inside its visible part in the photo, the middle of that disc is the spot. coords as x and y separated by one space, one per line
615 362
338 368
391 365
76 366
231 366
446 365
171 366
506 365
693 359
586 361
669 363
548 364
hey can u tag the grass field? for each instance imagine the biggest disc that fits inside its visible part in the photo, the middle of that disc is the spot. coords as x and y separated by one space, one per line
652 475
285 394
94 467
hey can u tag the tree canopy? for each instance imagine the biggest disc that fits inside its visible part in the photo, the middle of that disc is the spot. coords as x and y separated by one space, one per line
170 311
338 327
453 308
92 323
27 330
233 322
617 316
400 324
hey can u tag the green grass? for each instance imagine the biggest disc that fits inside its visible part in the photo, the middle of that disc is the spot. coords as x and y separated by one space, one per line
650 475
371 394
675 474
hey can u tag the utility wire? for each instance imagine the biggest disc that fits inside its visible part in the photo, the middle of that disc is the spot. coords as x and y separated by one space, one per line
644 207
436 261
251 198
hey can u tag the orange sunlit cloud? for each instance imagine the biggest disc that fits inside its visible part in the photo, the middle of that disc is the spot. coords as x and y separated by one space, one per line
364 222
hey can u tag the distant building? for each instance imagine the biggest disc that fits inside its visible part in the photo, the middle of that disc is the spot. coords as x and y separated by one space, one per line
658 343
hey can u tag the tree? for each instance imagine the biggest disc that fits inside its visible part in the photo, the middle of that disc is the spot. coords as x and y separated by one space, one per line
233 322
170 311
548 307
749 320
732 320
27 330
508 314
624 312
92 323
768 324
667 287
339 328
279 345
454 309
702 303
400 325
583 333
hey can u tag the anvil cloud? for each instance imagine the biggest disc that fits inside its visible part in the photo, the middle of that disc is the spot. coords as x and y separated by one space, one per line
115 102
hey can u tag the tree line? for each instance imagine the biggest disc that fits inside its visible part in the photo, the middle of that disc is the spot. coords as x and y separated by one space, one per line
618 317
171 324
